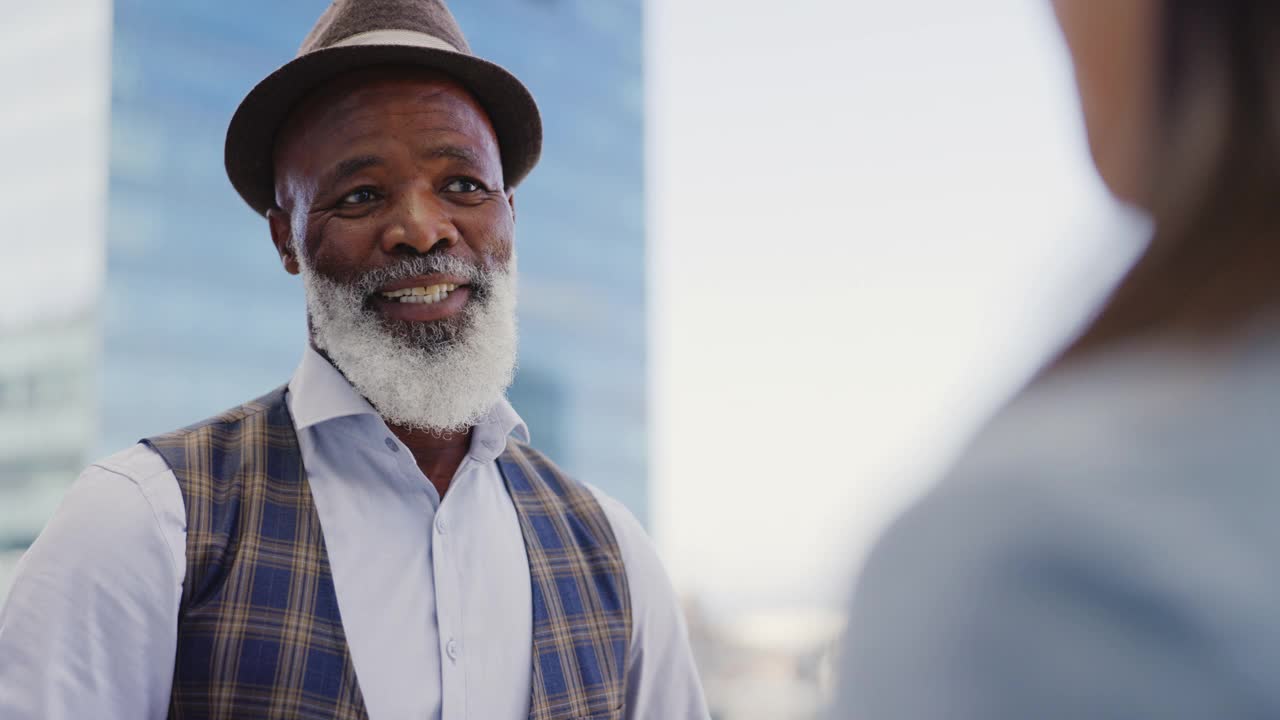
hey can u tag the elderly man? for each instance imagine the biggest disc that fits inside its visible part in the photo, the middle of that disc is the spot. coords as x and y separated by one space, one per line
375 539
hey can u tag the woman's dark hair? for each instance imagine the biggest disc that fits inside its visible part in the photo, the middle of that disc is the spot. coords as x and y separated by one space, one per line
1214 261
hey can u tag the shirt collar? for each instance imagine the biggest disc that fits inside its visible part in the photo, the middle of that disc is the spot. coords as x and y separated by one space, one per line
319 393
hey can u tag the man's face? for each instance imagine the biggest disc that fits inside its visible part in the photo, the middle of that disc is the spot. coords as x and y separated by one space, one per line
390 164
392 208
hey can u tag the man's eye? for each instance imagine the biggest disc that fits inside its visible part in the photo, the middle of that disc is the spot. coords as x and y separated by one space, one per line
359 196
463 185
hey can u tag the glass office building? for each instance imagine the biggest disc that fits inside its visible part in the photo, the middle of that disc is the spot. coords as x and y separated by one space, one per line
198 314
53 137
46 420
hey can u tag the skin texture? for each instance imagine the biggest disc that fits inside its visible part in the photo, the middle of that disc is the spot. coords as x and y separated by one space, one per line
1114 48
388 163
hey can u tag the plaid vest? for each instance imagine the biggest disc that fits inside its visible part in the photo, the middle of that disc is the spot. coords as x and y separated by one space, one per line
259 633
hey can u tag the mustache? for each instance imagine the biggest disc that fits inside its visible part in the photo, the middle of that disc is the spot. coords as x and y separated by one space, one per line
479 278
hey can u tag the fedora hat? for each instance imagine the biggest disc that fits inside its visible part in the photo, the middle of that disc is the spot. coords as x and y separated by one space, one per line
354 34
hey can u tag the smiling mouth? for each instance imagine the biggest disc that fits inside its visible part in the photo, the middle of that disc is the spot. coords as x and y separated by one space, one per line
423 295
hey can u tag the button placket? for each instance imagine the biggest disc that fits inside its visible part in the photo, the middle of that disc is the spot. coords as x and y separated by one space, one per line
449 621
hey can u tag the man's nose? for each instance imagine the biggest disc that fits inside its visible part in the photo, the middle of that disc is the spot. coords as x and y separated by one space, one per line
424 223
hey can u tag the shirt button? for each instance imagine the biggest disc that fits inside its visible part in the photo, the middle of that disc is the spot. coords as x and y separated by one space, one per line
451 649
441 525
391 443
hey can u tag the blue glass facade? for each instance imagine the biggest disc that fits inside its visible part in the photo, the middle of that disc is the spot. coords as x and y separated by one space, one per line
198 314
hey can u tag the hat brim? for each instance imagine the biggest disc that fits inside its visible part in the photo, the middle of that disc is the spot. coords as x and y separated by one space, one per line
251 134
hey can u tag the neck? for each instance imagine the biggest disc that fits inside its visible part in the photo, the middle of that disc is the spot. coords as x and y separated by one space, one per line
438 454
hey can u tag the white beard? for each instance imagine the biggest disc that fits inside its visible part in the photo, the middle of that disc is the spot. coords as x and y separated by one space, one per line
443 376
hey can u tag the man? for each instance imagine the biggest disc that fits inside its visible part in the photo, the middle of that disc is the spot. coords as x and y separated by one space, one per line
367 541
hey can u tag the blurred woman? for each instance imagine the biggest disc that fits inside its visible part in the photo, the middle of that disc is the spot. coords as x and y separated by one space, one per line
1110 545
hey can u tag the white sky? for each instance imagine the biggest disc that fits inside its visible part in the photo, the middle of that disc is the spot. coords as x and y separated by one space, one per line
53 138
870 221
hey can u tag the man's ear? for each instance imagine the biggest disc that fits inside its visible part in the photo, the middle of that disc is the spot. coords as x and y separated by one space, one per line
282 235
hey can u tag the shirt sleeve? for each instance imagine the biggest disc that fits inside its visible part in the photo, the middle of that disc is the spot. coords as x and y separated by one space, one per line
89 627
1014 601
662 679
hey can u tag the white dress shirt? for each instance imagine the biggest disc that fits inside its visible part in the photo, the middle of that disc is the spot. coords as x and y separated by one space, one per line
434 595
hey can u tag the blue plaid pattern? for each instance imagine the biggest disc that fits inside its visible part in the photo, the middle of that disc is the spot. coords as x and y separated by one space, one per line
581 601
259 633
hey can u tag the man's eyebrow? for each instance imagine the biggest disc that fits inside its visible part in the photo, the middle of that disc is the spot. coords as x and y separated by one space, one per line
454 152
349 167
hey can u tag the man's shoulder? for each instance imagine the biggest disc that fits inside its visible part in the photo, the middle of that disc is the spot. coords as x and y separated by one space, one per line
531 461
129 498
615 511
141 464
257 407
521 447
137 463
629 534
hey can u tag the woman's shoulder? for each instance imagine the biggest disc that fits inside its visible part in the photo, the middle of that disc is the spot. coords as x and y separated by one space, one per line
1143 419
1146 465
1125 505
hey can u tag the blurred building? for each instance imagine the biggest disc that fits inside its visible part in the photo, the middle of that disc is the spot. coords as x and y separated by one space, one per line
46 420
198 314
53 139
765 665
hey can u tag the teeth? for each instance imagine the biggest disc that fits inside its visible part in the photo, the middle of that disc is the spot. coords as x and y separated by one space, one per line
422 295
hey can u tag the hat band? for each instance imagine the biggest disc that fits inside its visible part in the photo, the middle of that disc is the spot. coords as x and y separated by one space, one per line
396 37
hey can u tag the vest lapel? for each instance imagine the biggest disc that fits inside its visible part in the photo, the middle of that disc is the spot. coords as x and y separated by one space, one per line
581 602
259 633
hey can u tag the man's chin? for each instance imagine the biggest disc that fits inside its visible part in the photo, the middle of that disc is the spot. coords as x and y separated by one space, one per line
433 337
